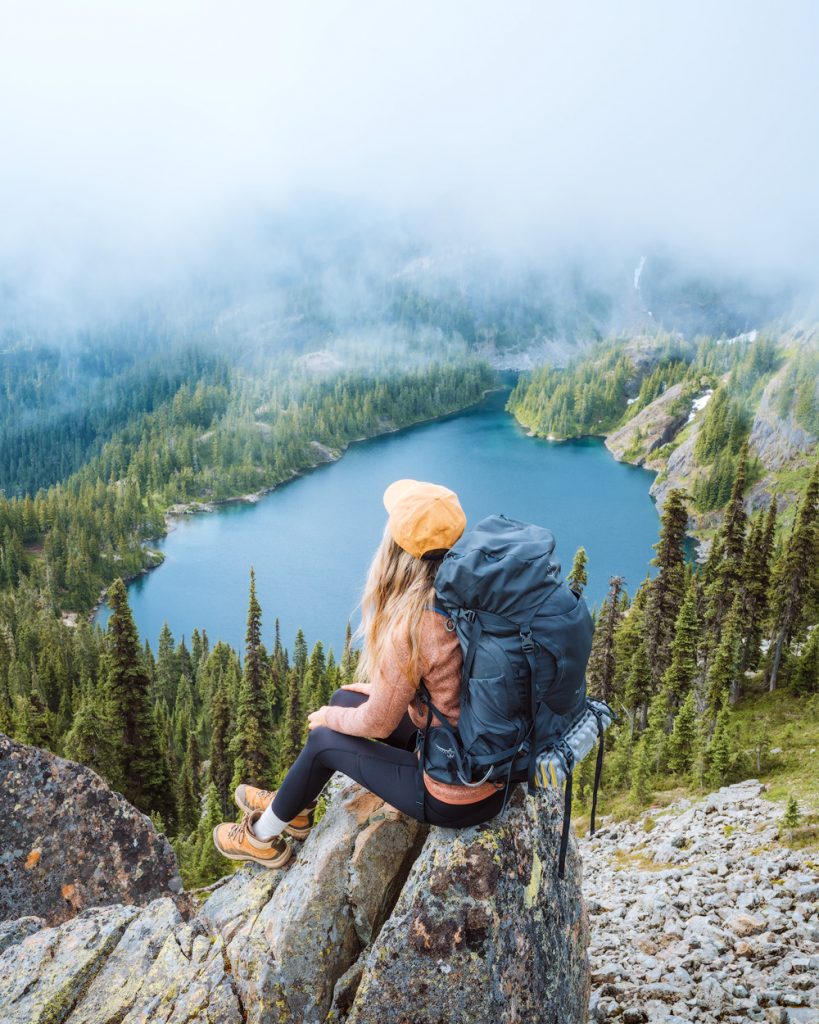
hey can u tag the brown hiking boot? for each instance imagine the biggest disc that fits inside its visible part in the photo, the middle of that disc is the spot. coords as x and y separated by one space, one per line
251 799
236 841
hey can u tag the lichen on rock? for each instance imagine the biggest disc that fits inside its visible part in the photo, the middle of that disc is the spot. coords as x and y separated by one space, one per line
376 918
70 842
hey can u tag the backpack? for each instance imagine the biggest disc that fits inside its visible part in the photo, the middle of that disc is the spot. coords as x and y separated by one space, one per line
526 637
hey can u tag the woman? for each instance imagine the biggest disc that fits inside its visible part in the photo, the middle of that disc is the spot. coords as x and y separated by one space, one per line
406 640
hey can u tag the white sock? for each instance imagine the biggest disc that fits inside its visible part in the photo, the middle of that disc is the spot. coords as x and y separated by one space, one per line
268 825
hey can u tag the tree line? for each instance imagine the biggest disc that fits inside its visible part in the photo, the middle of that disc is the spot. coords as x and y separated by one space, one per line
676 660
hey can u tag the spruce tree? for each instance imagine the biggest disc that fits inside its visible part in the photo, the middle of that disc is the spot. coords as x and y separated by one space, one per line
731 547
314 679
679 677
90 739
637 689
348 657
756 574
666 591
252 743
221 761
721 748
795 581
167 666
792 817
600 669
300 656
683 739
629 636
142 764
806 673
578 578
208 864
187 803
723 680
291 731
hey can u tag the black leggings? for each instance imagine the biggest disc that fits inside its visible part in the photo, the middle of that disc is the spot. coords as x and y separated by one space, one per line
389 769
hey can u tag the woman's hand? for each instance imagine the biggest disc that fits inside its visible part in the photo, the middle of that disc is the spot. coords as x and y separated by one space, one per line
316 718
357 688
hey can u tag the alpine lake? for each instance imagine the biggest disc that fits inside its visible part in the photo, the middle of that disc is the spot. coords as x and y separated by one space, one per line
311 539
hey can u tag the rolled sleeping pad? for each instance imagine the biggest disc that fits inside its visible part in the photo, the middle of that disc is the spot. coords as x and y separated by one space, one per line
551 766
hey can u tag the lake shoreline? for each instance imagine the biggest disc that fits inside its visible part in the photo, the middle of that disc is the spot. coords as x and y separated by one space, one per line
329 456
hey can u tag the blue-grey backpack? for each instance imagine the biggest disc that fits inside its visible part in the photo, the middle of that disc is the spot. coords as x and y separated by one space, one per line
526 637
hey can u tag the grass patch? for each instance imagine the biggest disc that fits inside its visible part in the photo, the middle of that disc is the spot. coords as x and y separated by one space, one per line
629 860
764 722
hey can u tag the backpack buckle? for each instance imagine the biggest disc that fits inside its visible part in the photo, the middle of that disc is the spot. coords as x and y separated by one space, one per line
469 614
526 641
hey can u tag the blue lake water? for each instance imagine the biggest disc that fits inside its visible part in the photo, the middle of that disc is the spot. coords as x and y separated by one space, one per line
310 541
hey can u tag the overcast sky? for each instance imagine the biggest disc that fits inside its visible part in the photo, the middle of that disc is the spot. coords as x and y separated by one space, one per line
133 126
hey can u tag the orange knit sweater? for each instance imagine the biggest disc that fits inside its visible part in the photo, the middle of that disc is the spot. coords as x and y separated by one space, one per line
390 695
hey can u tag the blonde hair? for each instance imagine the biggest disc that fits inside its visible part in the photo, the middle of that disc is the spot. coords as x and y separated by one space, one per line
398 589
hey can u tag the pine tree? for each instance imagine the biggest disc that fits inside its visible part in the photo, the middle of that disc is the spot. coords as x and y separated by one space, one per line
721 748
348 657
300 656
314 680
756 574
291 732
221 760
638 688
666 591
629 636
251 745
732 543
578 578
600 669
795 584
806 674
723 680
90 739
187 801
682 742
209 864
142 764
167 666
792 816
680 674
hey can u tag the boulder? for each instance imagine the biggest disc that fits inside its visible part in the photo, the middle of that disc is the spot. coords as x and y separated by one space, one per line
376 917
69 842
483 929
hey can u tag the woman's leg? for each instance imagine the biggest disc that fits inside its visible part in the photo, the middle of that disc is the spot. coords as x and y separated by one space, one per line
387 771
404 735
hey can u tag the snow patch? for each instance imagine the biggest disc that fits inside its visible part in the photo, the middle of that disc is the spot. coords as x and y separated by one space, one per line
750 336
630 401
698 404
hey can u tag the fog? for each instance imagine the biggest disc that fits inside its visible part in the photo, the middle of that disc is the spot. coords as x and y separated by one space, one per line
147 142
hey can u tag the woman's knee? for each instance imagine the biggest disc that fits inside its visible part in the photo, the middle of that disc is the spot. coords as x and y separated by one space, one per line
347 698
320 736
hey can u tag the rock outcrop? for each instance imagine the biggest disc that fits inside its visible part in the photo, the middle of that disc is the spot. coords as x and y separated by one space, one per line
69 842
482 931
376 918
776 440
655 425
700 912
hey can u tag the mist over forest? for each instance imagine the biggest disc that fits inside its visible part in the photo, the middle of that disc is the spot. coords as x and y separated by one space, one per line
265 178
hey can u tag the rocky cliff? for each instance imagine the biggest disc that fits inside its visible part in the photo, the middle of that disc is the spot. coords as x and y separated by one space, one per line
68 842
377 918
655 425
